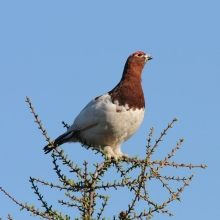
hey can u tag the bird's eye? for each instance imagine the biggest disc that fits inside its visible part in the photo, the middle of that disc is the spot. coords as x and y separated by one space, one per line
138 54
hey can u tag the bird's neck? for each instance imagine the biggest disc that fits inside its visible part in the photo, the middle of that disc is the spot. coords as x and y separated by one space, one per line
129 90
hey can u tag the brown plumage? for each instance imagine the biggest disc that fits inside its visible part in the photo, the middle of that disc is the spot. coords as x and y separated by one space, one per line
129 90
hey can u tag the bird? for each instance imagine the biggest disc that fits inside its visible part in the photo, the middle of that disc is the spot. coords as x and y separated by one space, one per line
109 120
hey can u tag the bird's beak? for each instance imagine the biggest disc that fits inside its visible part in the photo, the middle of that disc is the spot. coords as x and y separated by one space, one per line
148 57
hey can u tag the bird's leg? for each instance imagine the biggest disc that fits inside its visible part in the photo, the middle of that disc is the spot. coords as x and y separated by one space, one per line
117 151
109 152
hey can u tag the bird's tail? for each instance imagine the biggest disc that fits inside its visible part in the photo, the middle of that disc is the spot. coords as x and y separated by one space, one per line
59 141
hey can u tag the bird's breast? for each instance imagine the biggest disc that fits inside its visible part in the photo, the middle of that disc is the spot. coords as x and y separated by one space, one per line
116 123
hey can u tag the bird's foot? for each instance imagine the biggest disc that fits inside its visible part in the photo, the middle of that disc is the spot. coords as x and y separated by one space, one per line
116 155
121 155
109 152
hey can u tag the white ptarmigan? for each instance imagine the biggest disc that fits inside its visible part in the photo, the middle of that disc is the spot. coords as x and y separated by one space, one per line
111 119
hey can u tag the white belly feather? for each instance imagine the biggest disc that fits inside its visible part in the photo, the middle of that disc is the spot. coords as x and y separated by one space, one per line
112 124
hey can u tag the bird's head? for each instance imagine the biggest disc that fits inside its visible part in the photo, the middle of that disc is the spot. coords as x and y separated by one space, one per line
140 57
135 63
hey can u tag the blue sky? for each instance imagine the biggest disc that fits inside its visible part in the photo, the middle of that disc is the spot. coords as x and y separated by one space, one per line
62 54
